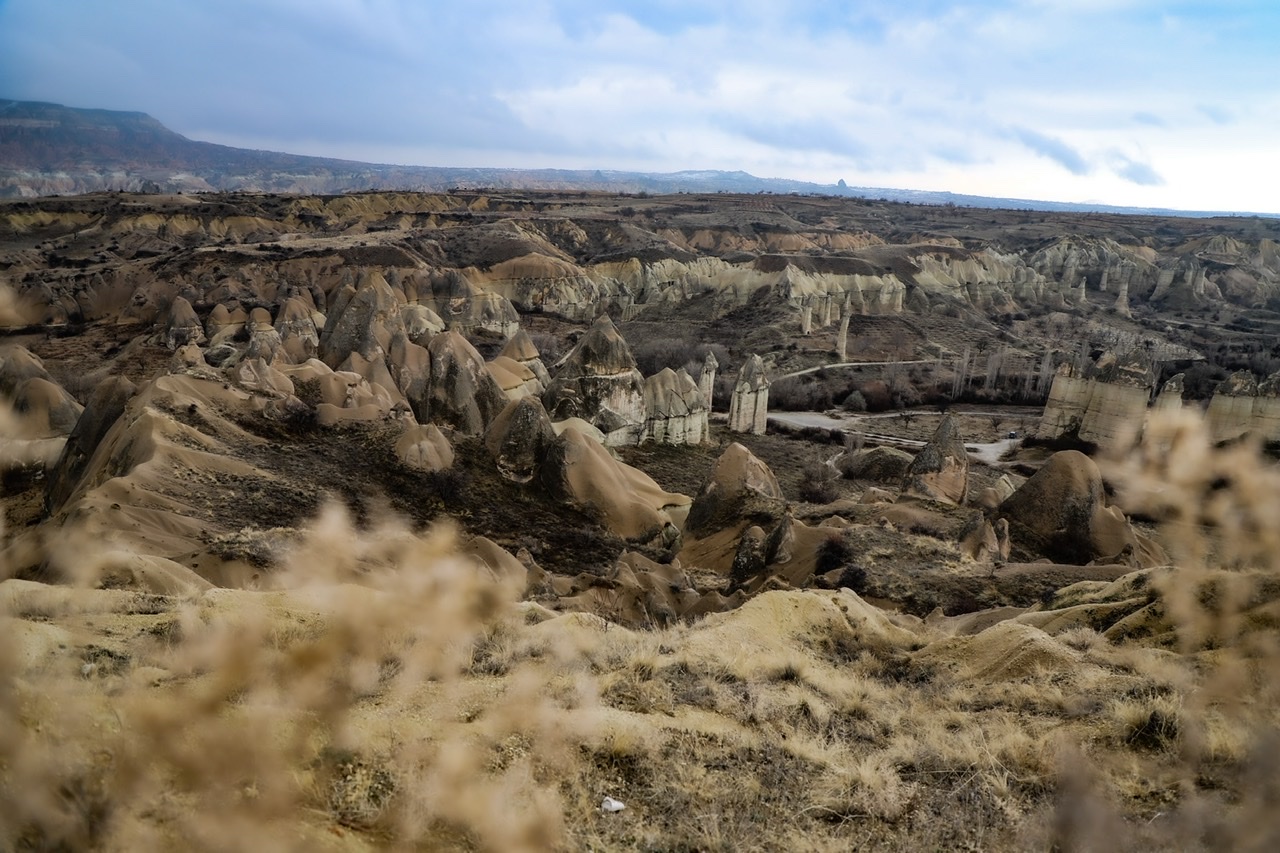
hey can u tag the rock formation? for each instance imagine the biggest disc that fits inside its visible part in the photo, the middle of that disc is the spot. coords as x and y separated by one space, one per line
940 471
675 410
878 464
749 406
299 334
520 348
462 392
1061 513
1243 406
45 407
599 383
425 448
520 439
740 488
105 406
366 320
1170 397
181 326
624 499
1109 401
18 364
707 379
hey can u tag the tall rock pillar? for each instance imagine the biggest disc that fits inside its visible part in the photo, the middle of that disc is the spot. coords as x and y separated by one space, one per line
707 379
749 408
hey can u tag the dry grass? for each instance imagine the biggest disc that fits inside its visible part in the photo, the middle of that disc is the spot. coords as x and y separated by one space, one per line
391 694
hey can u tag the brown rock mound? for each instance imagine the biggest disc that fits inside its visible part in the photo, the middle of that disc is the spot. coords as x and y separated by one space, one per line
1061 513
424 448
624 499
47 409
462 392
877 464
106 404
740 487
182 326
520 438
17 364
940 471
599 383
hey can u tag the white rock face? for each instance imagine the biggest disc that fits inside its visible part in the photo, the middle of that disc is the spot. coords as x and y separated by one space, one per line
749 408
1108 403
1242 406
675 412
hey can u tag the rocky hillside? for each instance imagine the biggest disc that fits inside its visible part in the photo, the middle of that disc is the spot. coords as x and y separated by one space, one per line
348 522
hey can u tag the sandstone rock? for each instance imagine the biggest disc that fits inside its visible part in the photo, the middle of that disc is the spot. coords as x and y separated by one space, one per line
624 499
1061 513
462 392
224 323
420 323
707 378
878 464
425 448
599 383
875 495
520 439
1105 405
520 348
299 335
749 406
181 326
17 364
47 410
740 487
515 379
105 406
367 321
1230 413
255 374
1170 396
940 471
675 411
410 368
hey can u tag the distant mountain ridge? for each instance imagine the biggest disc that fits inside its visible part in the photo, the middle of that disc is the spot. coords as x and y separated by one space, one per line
50 149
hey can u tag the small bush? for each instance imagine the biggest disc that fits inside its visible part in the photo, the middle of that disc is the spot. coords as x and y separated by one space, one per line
818 485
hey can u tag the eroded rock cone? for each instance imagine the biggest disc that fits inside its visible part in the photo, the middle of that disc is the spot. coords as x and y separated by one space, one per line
18 364
106 404
622 498
425 448
462 393
741 487
520 348
46 407
364 323
296 324
1061 513
599 383
182 326
675 411
520 438
940 471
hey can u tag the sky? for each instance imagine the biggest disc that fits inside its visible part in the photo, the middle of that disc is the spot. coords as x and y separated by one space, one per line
1128 102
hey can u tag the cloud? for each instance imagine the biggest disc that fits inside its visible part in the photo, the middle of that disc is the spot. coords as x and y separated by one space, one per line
1054 149
902 90
1136 172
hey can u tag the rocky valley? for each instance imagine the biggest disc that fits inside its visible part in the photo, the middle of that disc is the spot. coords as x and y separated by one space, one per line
395 519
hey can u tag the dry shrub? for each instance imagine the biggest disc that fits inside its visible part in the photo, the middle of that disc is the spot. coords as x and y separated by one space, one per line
273 706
